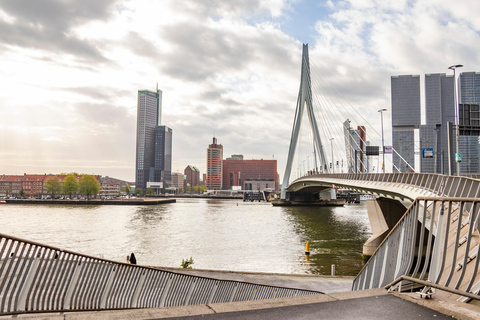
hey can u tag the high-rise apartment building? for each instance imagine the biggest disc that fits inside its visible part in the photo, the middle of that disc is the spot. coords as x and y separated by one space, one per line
214 166
154 142
406 118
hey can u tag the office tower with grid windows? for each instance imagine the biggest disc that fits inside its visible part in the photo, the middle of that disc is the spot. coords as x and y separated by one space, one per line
469 99
406 118
439 109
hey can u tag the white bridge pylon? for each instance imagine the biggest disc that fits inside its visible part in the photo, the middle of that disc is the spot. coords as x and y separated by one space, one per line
304 101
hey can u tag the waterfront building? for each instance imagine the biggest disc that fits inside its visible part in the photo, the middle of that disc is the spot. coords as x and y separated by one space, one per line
11 184
214 166
163 156
33 185
109 187
439 109
355 147
178 181
406 118
469 99
192 177
153 142
250 174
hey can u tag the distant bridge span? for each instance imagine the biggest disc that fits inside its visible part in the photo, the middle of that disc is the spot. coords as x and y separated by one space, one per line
402 186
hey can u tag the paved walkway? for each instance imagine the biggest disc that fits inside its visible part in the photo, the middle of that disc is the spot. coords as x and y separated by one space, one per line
323 284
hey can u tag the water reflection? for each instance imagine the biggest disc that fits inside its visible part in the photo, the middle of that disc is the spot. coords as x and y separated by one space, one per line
218 234
336 236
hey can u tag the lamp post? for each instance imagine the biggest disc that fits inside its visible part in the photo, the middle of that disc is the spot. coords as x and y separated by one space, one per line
458 156
383 144
331 145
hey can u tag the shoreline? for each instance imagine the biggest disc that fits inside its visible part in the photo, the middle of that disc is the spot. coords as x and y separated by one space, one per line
98 202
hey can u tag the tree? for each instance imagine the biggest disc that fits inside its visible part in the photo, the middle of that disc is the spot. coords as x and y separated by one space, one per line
138 191
88 185
6 192
128 189
199 188
70 185
21 193
149 191
53 185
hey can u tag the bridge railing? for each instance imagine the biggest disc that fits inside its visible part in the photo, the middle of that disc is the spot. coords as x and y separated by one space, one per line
40 278
437 240
442 185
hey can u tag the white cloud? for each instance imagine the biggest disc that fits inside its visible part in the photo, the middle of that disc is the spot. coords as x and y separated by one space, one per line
69 80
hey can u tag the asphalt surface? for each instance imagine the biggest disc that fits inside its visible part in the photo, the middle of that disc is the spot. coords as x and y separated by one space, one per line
371 308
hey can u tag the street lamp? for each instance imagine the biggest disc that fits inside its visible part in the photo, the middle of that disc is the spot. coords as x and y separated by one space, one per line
458 156
331 145
383 144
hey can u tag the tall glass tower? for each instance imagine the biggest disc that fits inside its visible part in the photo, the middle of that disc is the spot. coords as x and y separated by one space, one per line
149 110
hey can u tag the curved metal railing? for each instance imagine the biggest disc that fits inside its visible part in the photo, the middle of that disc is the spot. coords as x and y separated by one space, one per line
436 240
441 185
40 278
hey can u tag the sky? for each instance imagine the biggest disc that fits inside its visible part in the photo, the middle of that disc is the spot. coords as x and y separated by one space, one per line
70 72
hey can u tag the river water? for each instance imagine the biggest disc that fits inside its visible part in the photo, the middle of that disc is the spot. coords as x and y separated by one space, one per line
217 234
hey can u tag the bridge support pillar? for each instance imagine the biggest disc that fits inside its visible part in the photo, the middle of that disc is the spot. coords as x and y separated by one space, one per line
383 214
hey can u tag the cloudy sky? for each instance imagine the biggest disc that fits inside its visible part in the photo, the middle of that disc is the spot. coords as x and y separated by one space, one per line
70 71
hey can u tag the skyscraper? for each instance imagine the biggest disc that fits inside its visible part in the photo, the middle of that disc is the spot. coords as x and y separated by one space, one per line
154 142
439 109
163 155
405 119
355 144
469 99
214 166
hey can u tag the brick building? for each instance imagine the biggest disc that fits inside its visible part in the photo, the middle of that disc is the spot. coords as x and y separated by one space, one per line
34 185
11 184
192 176
250 174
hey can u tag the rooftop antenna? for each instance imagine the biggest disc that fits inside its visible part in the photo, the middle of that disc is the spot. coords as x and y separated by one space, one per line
156 88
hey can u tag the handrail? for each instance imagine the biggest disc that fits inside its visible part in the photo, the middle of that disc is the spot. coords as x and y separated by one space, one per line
441 185
434 285
40 278
442 221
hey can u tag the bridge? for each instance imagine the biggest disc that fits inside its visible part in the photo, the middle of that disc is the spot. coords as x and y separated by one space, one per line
432 245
